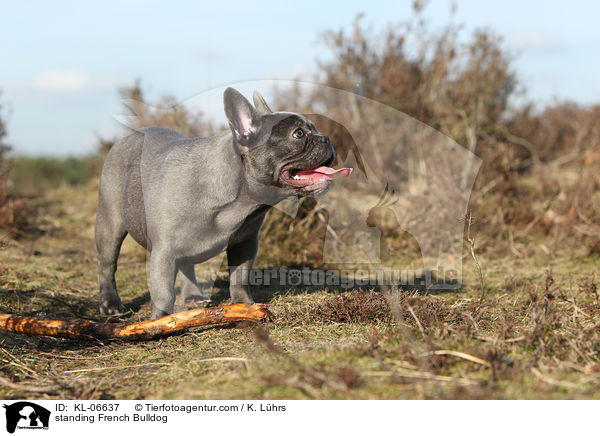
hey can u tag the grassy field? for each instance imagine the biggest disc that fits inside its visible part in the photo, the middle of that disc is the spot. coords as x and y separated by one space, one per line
535 334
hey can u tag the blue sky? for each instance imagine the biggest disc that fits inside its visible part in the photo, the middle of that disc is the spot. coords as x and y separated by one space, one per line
62 61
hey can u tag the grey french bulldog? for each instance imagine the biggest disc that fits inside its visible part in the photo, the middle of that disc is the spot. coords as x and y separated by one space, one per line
188 199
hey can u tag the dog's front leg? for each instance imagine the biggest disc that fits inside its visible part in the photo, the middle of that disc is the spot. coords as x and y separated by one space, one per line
162 281
240 258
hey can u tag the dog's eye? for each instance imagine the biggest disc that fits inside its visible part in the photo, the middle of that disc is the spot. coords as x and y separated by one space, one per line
298 133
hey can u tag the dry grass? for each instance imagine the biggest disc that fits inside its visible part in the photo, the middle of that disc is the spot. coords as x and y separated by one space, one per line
535 335
361 307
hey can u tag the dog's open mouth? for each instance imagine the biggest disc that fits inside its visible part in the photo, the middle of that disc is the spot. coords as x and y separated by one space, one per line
300 178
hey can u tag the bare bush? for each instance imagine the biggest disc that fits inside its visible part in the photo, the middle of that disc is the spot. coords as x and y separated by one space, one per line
165 112
460 89
539 173
13 210
539 168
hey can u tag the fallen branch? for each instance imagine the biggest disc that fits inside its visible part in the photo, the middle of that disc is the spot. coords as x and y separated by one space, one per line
144 330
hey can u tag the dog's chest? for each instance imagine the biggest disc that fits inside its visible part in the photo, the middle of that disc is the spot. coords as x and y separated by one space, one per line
210 234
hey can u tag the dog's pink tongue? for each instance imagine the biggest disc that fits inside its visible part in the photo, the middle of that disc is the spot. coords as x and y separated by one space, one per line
324 173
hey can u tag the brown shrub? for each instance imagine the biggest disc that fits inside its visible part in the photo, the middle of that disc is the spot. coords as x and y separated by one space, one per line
352 307
13 210
165 112
540 168
13 213
561 133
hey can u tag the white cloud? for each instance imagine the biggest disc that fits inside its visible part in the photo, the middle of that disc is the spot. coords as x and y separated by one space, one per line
59 80
535 40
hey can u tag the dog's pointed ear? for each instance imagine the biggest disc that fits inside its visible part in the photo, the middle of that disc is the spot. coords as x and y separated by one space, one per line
260 103
241 114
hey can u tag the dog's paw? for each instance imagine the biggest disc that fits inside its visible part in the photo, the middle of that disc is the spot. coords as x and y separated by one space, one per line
242 300
115 308
196 303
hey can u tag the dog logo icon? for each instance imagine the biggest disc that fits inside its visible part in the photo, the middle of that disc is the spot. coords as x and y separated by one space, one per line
26 415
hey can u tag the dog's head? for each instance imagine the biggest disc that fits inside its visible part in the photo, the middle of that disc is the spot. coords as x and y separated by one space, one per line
282 149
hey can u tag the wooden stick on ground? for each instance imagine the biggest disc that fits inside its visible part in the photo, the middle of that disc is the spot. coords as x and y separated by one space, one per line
136 331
